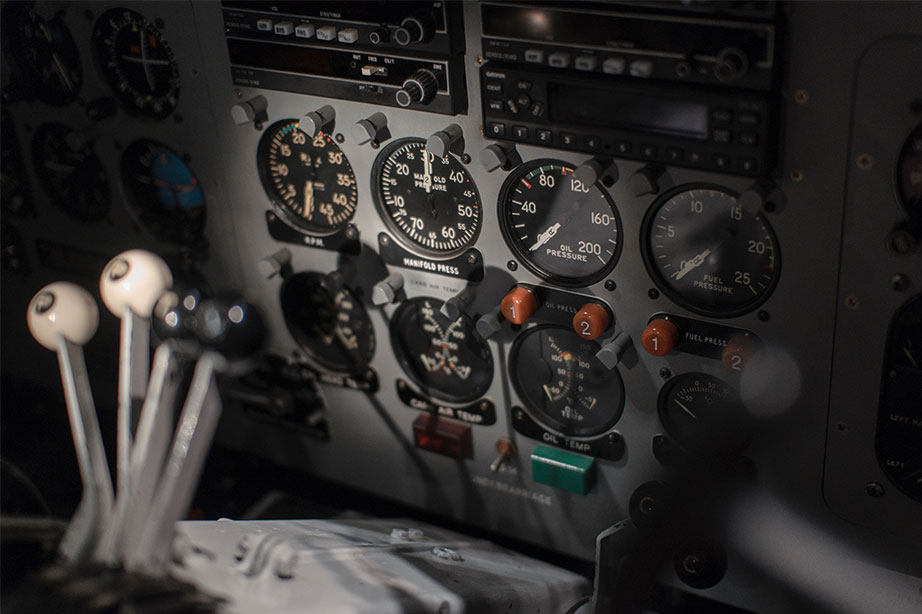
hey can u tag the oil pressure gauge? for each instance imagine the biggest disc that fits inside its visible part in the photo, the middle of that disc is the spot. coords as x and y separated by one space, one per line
430 203
708 253
562 384
309 179
448 360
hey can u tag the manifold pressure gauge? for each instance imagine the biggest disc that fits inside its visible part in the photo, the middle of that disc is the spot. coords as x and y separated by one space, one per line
137 62
448 360
431 204
562 229
708 253
562 384
308 179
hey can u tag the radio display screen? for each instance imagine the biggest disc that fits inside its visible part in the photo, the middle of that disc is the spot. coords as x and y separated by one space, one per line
577 104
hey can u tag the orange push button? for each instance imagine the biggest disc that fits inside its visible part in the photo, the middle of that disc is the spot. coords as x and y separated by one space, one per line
660 337
737 352
591 321
519 305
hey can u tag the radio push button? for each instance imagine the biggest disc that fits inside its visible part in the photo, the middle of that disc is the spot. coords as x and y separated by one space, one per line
613 66
559 59
326 33
535 56
641 68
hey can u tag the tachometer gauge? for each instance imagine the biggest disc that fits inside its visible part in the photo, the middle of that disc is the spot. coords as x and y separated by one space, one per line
309 179
137 62
430 203
333 329
73 175
703 413
709 254
909 173
163 192
562 384
448 360
563 230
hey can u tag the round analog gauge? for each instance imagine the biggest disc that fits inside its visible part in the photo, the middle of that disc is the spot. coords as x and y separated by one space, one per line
137 62
448 360
309 179
430 203
709 254
909 172
563 230
71 172
333 329
163 192
702 413
562 384
44 52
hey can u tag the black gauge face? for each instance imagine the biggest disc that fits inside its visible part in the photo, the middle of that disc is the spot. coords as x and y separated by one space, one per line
562 384
334 330
44 52
899 419
564 231
448 360
909 173
309 179
708 254
163 192
137 62
15 194
430 203
702 413
71 172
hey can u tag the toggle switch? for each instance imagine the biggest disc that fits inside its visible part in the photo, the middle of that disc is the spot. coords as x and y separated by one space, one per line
592 171
317 121
372 129
519 305
660 337
457 305
497 156
591 321
610 354
505 450
648 180
489 323
253 110
450 139
385 291
278 263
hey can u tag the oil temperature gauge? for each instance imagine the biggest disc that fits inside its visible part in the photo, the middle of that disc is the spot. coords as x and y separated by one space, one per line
702 413
333 329
562 384
448 360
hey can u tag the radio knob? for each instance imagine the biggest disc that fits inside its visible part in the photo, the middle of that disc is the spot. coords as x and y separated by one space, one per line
379 35
732 63
416 28
419 88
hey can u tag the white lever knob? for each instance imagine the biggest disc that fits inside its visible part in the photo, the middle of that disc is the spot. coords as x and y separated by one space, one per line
135 279
62 309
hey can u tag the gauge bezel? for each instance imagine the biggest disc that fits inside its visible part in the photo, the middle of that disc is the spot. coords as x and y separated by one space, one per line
397 335
102 52
397 232
265 178
512 241
739 429
674 295
898 180
322 361
66 202
536 415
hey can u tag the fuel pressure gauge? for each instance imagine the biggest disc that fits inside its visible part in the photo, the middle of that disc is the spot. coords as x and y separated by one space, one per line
708 253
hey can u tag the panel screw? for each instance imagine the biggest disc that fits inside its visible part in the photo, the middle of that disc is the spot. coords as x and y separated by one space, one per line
763 316
479 61
610 285
446 554
653 293
385 240
238 93
852 302
875 490
472 258
797 175
339 137
465 158
351 233
899 282
665 373
865 162
801 97
512 265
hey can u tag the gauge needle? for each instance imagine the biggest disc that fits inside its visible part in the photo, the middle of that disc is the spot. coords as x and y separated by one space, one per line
308 198
427 172
908 353
685 409
56 60
691 265
547 391
147 73
545 236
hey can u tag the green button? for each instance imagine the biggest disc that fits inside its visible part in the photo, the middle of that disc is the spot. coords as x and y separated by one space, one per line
562 469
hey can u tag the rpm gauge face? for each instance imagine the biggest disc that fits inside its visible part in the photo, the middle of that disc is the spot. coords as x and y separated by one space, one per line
562 384
71 172
430 203
563 230
448 360
137 62
163 192
309 179
333 329
44 52
709 254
